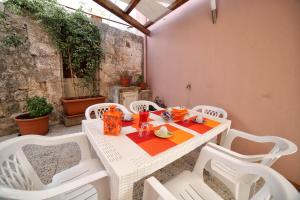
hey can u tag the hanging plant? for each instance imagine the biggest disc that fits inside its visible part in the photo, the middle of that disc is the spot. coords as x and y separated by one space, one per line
78 40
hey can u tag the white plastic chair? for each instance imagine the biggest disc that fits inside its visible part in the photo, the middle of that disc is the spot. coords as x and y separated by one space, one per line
99 109
18 180
191 186
241 186
137 106
211 110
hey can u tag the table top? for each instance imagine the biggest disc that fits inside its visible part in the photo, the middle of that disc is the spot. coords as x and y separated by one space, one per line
121 156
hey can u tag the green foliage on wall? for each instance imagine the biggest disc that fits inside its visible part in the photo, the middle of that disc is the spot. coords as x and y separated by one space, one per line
78 40
11 40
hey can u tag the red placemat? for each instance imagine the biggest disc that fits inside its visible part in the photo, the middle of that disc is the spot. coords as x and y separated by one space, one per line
158 112
200 128
154 145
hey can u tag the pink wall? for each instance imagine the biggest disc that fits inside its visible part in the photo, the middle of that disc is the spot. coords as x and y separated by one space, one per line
248 63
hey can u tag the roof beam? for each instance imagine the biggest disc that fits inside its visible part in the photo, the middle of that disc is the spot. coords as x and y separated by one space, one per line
171 7
120 13
131 6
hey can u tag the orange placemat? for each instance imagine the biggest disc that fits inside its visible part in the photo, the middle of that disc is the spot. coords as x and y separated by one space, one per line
199 128
154 145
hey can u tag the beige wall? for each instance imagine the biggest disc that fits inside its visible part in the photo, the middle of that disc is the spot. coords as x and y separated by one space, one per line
248 63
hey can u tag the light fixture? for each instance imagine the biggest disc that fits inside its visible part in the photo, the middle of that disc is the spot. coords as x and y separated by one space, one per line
213 6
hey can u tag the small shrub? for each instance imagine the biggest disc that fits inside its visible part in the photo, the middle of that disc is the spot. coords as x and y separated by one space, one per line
38 106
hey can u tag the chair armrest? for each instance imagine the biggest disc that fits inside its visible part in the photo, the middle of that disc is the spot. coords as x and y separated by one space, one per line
281 147
153 189
51 192
249 158
17 143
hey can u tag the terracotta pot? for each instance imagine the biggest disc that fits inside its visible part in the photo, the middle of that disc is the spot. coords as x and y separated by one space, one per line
143 86
76 106
125 81
36 126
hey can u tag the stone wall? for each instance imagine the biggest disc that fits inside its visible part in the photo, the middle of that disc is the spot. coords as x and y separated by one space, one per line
123 51
34 67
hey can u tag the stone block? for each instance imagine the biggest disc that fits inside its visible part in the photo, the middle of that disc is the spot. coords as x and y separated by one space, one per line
73 120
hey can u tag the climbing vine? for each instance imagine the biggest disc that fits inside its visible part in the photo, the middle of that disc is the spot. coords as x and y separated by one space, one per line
78 40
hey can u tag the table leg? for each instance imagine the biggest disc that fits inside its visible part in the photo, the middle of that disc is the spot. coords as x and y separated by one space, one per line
121 189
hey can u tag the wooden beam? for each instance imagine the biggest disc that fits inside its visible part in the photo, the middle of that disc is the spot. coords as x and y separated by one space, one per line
120 13
131 6
171 7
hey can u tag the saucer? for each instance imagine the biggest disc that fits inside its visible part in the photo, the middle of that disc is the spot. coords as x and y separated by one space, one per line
128 120
170 134
194 120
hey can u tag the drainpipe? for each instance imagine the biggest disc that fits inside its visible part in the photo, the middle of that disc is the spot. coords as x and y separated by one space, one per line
145 59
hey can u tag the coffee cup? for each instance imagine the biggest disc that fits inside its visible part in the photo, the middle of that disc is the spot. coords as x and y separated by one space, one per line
199 119
127 117
163 131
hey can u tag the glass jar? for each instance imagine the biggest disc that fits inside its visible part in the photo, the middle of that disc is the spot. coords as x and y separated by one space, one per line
112 121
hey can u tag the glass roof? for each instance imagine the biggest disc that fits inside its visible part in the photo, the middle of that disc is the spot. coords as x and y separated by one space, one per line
144 12
150 10
91 7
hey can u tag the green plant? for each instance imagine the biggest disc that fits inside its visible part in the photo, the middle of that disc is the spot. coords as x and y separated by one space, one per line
140 79
11 40
2 16
125 74
78 40
38 106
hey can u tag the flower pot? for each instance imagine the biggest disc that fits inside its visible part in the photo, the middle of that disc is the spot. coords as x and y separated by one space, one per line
78 105
143 86
36 126
125 81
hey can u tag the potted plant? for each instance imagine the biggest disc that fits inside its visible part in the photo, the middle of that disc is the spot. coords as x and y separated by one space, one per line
125 78
79 43
141 83
82 55
36 120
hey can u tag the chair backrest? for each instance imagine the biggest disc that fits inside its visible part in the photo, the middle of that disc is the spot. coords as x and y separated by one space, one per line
138 106
15 170
276 186
282 146
99 109
211 110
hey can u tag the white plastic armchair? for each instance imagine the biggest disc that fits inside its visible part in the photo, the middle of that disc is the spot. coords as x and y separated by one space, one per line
99 109
241 187
18 179
191 186
211 110
137 106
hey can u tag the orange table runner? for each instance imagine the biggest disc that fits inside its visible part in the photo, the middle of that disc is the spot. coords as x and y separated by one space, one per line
154 145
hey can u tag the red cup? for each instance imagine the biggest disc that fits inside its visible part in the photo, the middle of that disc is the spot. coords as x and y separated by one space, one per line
143 117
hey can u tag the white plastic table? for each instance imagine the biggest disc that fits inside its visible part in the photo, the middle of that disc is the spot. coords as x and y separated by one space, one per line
127 163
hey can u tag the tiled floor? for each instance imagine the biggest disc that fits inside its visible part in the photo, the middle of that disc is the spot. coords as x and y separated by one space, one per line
50 160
